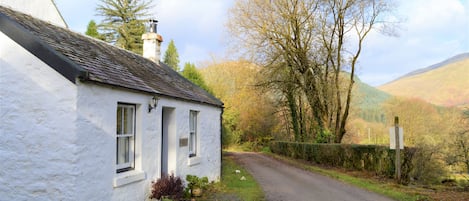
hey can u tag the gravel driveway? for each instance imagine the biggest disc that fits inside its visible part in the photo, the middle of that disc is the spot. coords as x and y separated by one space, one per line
282 182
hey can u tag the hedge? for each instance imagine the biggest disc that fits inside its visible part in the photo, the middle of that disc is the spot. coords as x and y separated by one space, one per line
371 158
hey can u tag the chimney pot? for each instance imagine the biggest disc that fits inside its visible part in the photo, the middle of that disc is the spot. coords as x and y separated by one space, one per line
153 26
152 42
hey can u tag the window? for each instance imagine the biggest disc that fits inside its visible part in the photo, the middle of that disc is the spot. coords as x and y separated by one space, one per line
193 133
125 131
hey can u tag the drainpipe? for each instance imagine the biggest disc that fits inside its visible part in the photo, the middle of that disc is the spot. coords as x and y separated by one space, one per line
221 142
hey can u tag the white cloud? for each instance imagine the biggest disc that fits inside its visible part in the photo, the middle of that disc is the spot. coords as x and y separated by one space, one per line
434 30
201 15
195 26
191 24
431 15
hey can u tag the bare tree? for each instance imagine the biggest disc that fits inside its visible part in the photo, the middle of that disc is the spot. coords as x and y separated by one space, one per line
305 47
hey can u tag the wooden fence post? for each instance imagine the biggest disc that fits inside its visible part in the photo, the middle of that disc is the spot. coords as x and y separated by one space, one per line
398 150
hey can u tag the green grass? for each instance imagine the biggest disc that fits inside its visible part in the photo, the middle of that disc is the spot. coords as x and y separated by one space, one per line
390 190
248 189
231 187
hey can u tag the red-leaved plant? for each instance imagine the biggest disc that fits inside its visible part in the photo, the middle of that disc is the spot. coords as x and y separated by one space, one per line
168 186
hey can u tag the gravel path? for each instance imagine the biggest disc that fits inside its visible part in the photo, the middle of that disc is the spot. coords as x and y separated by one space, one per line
282 182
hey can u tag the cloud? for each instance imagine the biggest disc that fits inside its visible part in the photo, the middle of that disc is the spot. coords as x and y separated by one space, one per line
195 26
199 16
434 30
430 15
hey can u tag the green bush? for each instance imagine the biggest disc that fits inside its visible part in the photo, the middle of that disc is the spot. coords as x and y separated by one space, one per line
430 170
371 158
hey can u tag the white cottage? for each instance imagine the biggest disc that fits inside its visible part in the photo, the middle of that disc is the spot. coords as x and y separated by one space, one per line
84 120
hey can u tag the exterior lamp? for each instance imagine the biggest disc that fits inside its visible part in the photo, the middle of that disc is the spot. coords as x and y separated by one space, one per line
153 103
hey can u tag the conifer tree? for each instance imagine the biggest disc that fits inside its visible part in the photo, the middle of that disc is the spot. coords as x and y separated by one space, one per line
92 30
171 56
191 73
123 23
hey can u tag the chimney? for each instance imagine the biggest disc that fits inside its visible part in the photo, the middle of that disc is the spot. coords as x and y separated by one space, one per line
152 42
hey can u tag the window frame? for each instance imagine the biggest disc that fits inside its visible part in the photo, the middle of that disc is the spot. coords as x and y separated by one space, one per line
193 133
130 165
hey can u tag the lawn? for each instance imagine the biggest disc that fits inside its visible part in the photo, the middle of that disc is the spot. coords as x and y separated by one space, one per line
235 186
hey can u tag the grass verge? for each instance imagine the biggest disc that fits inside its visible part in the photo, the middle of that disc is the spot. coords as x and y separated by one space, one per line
247 189
388 189
232 187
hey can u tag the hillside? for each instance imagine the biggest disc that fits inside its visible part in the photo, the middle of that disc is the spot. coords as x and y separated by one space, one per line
445 83
368 100
368 97
454 59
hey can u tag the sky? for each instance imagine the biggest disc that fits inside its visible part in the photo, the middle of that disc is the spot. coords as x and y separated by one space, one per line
430 32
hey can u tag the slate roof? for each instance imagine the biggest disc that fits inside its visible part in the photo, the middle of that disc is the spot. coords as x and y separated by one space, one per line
90 60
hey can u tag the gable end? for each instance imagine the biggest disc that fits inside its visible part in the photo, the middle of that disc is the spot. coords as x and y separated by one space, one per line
32 44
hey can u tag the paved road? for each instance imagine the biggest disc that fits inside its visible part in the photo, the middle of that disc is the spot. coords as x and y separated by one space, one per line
282 182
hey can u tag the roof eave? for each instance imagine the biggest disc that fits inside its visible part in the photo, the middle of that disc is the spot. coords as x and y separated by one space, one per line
44 52
220 104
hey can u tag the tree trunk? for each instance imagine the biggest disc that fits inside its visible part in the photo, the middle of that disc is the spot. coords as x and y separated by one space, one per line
293 114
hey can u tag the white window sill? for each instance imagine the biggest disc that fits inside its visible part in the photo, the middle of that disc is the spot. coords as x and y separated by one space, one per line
128 177
194 161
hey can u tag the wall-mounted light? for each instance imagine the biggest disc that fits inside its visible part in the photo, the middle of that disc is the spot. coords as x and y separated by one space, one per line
153 103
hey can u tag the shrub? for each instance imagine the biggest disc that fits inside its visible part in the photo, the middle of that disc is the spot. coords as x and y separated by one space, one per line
168 186
429 169
371 158
196 182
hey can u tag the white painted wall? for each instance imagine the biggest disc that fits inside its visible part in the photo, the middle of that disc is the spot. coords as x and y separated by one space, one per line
97 106
208 160
96 144
58 139
41 9
37 128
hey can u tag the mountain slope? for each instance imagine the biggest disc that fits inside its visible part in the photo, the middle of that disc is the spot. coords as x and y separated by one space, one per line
368 100
445 84
368 97
459 57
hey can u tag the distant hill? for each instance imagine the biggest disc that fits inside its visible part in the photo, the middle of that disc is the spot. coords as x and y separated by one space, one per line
369 101
459 57
367 96
445 83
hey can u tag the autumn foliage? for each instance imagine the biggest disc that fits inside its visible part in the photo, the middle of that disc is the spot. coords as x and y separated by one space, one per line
249 114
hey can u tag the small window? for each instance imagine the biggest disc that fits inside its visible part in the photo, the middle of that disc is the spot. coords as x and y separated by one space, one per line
193 133
125 134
